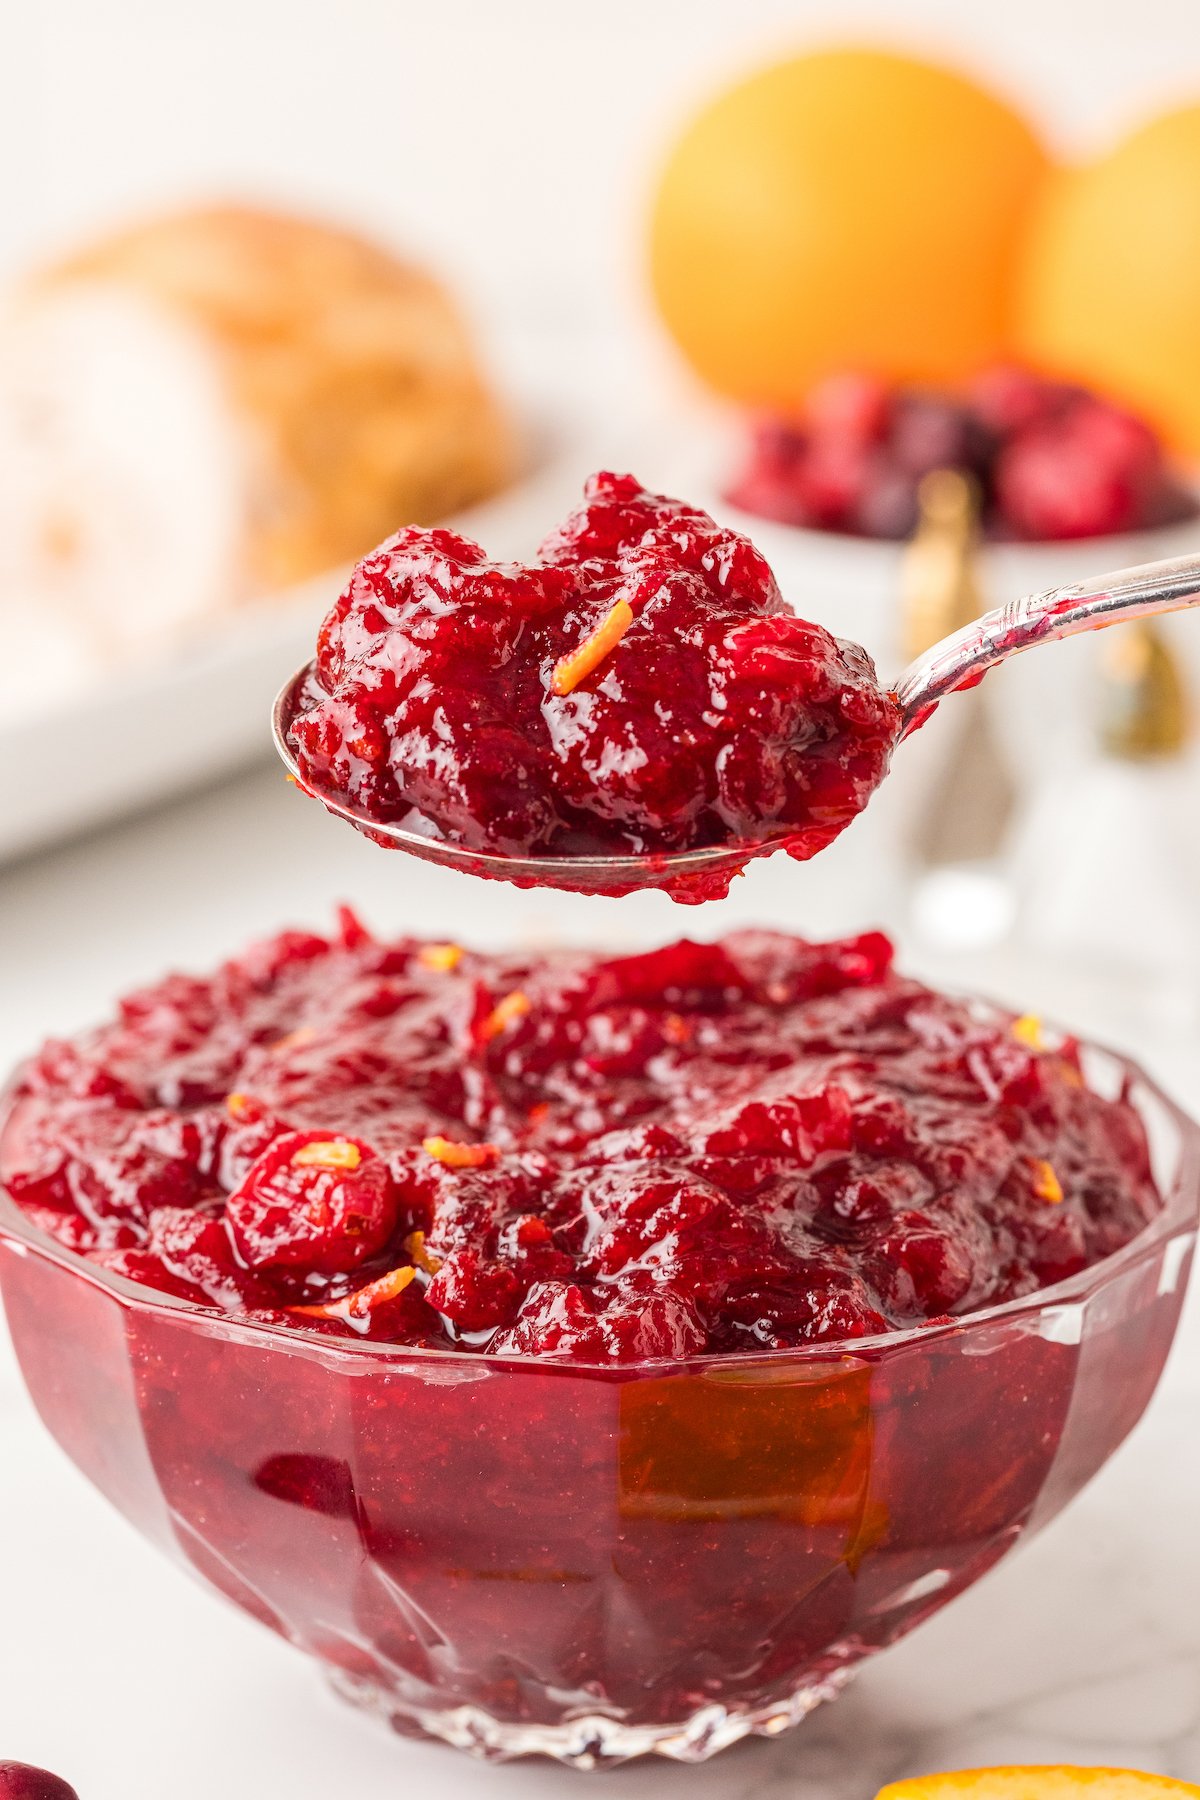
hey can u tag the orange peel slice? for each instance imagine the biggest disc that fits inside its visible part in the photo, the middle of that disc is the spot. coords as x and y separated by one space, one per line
362 1302
459 1156
1050 1783
440 957
327 1153
423 1259
1028 1031
506 1013
1046 1184
578 664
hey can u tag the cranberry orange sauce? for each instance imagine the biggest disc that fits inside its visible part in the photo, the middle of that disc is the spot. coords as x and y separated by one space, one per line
640 688
733 1147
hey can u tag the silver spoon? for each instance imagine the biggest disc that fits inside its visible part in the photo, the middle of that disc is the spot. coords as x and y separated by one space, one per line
960 661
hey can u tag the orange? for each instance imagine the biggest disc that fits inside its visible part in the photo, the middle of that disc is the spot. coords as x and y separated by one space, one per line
1110 289
849 208
1041 1784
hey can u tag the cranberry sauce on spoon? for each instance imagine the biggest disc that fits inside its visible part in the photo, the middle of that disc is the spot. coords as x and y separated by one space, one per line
641 689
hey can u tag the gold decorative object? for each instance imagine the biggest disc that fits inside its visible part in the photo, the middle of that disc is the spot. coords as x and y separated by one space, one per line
969 806
1144 703
939 586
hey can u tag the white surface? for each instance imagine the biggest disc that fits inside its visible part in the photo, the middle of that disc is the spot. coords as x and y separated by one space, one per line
512 142
137 1685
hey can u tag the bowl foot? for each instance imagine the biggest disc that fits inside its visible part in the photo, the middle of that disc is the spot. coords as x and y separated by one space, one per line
592 1740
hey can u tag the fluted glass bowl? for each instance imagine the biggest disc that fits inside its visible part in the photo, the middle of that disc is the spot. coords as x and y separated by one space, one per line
595 1563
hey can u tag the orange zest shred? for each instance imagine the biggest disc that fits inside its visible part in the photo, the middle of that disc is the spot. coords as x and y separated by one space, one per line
441 957
509 1010
1028 1031
423 1259
459 1156
329 1153
539 1112
363 1301
676 1029
239 1106
570 670
1046 1184
292 1040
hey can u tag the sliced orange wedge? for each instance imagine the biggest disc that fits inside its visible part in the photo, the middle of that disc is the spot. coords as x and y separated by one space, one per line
1039 1784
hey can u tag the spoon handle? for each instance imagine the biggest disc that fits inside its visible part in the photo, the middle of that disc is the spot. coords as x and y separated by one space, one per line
963 660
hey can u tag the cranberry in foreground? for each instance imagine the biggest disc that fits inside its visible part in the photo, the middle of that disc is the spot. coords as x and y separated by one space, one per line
640 688
20 1781
707 1148
1051 462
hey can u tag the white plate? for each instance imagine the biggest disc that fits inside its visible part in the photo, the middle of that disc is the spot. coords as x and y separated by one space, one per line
203 708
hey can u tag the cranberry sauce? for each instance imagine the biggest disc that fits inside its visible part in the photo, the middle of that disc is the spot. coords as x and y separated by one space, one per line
640 688
705 1148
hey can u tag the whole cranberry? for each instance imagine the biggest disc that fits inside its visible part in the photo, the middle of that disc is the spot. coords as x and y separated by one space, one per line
1082 474
19 1781
888 508
831 481
1007 399
849 408
931 431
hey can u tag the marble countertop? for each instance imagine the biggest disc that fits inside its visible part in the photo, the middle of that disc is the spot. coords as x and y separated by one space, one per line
118 1672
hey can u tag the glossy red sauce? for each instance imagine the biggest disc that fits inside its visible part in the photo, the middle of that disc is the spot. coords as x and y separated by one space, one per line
640 688
729 1147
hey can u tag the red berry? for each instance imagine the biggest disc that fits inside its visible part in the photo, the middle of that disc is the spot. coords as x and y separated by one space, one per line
849 408
1071 478
1007 399
21 1781
316 1200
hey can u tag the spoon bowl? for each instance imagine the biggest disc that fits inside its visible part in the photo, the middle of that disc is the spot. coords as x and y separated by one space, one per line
951 665
690 874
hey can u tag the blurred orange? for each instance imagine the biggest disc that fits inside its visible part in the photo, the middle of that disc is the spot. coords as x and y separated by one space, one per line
1040 1784
1110 290
849 208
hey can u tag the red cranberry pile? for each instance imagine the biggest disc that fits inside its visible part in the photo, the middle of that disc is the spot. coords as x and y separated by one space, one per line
1051 461
725 1147
639 688
20 1781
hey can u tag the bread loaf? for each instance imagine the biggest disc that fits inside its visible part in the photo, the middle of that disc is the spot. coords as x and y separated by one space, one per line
210 407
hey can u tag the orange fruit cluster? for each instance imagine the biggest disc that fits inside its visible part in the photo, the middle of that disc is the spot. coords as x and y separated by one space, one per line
849 208
1110 289
858 209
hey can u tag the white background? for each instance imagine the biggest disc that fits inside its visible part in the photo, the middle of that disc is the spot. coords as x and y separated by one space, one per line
512 141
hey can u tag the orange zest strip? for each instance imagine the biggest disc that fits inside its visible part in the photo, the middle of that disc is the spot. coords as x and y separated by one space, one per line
675 1028
510 1009
292 1040
441 957
330 1153
239 1106
1028 1031
459 1156
1046 1184
362 1303
570 670
423 1259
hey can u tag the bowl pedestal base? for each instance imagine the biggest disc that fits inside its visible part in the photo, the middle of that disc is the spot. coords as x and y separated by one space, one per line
592 1740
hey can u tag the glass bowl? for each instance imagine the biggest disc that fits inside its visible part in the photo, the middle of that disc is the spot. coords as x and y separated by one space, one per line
591 1562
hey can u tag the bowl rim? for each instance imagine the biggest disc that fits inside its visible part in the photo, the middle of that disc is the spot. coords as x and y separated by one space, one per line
1177 1219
